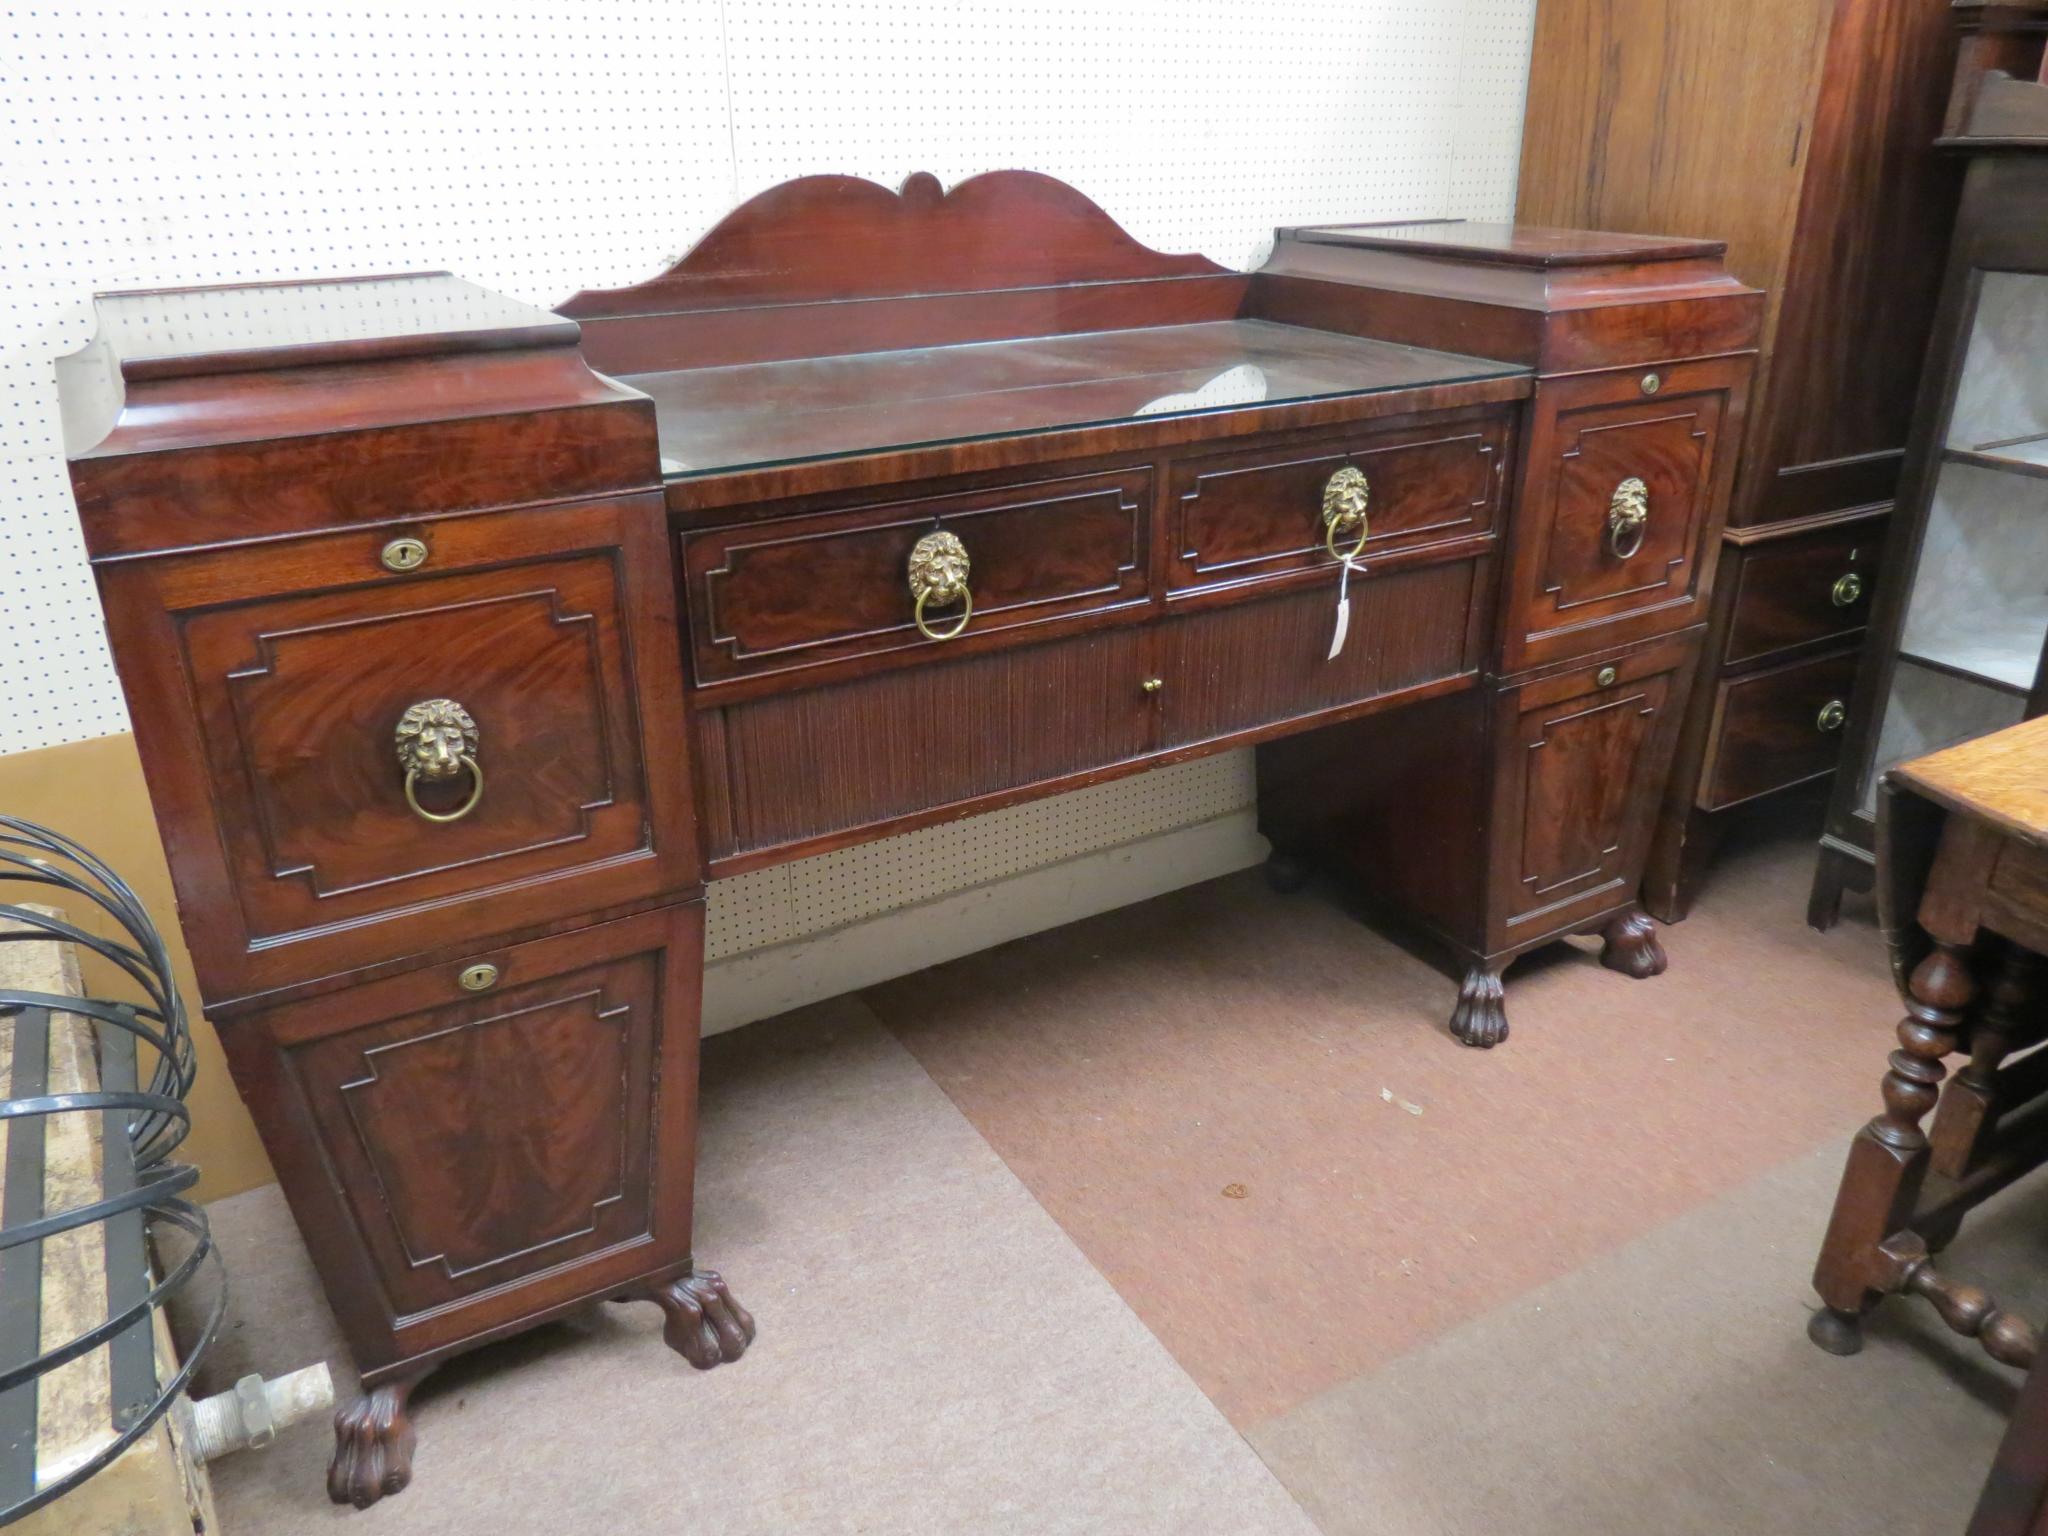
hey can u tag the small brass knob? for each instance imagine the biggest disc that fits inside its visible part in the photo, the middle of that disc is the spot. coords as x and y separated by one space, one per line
1605 677
1652 383
403 555
1833 715
1153 684
938 577
476 978
1846 589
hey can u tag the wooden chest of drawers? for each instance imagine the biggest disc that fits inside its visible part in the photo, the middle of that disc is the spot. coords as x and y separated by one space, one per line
457 665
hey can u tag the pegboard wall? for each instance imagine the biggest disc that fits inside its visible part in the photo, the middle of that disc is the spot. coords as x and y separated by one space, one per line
541 148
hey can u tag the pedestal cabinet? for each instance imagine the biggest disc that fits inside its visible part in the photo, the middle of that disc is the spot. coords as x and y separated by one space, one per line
1803 132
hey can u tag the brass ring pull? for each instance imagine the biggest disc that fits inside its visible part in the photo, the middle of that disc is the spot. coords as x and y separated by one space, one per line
1346 496
438 741
938 576
1833 715
1846 589
1628 518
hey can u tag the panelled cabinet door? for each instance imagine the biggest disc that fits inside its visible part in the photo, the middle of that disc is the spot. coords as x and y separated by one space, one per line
1582 756
1623 491
519 1117
388 740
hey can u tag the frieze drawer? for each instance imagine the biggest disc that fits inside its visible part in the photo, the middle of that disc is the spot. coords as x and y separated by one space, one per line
1254 513
915 578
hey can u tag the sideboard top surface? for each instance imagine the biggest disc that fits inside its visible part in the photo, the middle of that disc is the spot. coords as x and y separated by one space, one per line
764 414
1517 245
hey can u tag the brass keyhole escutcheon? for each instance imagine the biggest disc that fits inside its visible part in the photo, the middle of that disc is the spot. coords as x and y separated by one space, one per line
938 573
1605 677
1346 496
475 978
1847 589
1832 717
1628 518
403 555
438 741
1652 383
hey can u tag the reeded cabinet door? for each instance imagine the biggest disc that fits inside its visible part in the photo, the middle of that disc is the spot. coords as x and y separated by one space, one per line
445 1141
1582 756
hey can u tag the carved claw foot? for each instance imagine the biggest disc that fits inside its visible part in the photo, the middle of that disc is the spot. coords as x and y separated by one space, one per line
1481 1018
1839 1333
373 1442
1629 945
1285 873
703 1323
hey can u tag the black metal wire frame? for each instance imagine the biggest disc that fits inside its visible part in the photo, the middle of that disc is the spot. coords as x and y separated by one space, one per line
143 1188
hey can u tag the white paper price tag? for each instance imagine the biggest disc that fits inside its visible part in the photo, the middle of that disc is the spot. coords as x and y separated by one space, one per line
1343 613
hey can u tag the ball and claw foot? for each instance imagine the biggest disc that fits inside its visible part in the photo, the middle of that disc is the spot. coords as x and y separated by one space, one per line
1285 874
373 1443
1628 944
1481 1018
702 1322
1839 1333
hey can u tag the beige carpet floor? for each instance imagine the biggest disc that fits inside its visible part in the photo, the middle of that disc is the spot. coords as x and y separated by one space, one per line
1001 1289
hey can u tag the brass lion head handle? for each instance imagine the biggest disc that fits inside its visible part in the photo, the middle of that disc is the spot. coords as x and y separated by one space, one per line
437 741
938 579
1346 495
1628 518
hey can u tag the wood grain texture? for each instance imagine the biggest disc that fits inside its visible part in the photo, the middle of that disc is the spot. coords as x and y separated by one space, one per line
1249 513
1767 732
1665 117
762 284
1788 592
268 680
772 599
436 1143
1568 589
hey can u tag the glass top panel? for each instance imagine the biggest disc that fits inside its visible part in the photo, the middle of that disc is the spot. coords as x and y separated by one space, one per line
762 414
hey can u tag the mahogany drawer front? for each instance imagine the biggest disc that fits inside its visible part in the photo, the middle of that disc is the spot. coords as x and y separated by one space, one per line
826 761
441 1143
784 594
1585 751
1776 728
802 771
1624 489
281 681
1259 512
1808 588
1267 660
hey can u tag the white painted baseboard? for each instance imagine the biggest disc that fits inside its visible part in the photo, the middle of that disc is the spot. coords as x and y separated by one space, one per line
765 982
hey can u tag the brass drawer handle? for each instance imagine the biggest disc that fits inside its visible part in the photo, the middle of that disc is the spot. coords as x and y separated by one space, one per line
1628 517
1345 498
1832 717
1846 589
938 576
437 741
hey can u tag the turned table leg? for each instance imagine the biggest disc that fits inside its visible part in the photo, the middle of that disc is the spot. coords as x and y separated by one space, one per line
701 1319
373 1443
1888 1158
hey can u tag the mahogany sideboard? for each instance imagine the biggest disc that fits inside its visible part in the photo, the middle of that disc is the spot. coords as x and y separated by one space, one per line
463 641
